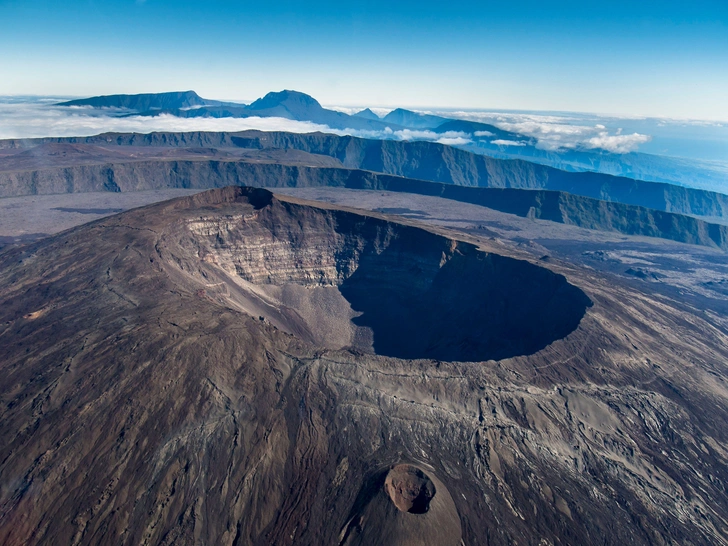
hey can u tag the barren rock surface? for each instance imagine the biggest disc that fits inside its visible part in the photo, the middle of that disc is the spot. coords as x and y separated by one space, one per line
143 403
408 293
409 488
419 160
165 168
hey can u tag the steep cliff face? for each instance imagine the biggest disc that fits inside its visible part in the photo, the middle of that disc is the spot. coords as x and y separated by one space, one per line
559 207
405 292
141 405
434 162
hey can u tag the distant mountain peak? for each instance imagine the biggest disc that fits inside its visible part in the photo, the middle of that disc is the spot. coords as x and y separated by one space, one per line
367 114
416 120
287 98
400 111
144 101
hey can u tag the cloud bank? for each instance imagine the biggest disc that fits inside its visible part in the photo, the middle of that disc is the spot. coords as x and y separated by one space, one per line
503 142
558 133
31 118
41 118
550 132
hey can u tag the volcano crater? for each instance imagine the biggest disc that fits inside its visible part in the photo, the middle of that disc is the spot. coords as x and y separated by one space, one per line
339 279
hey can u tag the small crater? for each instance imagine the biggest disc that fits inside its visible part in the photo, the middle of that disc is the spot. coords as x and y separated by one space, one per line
409 489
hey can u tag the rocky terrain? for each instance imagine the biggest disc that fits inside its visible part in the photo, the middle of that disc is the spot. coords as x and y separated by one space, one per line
419 160
80 168
170 377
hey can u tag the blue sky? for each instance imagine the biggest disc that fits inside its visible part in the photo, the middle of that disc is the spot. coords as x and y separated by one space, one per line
636 58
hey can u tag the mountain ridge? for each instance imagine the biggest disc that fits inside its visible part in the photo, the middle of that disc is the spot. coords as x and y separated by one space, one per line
413 120
485 139
367 114
286 104
146 101
429 161
555 206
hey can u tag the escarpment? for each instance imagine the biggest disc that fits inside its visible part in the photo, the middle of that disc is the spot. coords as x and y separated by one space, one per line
417 160
555 206
340 279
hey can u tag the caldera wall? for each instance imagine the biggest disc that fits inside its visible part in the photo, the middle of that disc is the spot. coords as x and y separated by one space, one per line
403 291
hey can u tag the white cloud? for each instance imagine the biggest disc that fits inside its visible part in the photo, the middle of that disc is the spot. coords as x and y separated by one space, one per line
452 138
34 119
558 133
618 144
410 134
414 134
351 110
30 120
483 134
456 141
38 117
502 142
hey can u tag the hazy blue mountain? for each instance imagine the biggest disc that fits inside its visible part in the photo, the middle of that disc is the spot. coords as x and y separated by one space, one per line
413 120
287 104
301 107
284 104
485 139
367 114
146 101
479 131
494 142
640 166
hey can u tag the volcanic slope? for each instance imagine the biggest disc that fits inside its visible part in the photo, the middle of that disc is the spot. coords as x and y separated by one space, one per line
166 380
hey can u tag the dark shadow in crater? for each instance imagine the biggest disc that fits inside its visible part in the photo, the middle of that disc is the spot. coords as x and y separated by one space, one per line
475 307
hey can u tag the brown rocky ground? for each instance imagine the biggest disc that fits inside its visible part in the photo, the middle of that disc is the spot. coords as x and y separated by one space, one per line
144 399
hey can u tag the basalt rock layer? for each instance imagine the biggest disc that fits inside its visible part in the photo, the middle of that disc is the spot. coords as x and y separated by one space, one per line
426 161
556 206
408 293
163 383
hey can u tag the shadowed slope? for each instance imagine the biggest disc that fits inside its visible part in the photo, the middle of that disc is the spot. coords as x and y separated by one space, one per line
260 170
424 161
